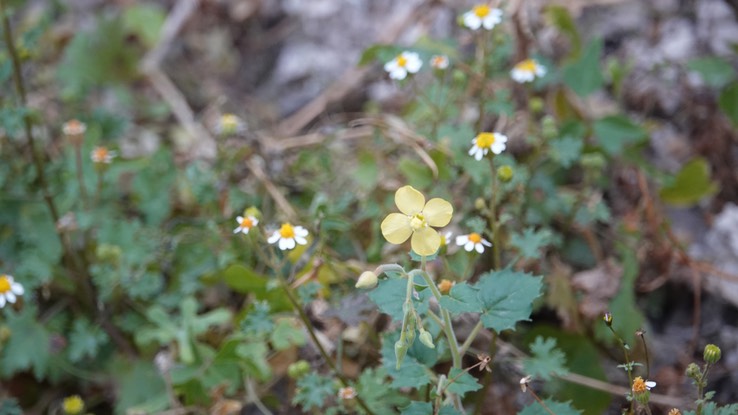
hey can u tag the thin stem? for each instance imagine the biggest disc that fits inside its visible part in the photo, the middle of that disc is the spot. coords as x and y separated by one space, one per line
253 397
311 331
641 334
21 91
628 366
535 396
467 343
80 176
487 376
482 57
447 326
496 257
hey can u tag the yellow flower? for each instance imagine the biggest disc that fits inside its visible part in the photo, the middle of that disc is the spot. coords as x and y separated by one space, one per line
245 224
73 405
416 221
9 290
527 71
640 385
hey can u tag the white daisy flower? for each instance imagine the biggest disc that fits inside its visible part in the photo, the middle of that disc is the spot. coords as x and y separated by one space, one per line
245 224
527 71
473 241
9 289
347 393
482 16
404 63
229 124
74 128
439 62
484 142
102 155
288 236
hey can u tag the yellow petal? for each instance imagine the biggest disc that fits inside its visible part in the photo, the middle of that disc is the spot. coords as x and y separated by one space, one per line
438 212
396 228
425 241
409 200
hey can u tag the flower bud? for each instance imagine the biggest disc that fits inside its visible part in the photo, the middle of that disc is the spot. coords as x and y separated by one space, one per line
400 352
252 211
445 286
642 397
367 280
535 105
693 371
73 405
298 369
711 354
548 127
505 173
607 318
593 161
480 204
426 338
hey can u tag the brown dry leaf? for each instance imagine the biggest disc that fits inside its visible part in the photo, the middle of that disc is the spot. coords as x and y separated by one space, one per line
598 286
561 295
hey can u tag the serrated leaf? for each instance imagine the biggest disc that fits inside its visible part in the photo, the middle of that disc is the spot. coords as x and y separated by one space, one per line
28 346
463 298
142 388
85 340
615 132
389 296
411 375
507 297
287 334
377 393
584 75
566 150
530 242
257 322
691 184
546 361
463 384
255 356
418 408
312 391
728 102
10 407
559 408
711 408
715 72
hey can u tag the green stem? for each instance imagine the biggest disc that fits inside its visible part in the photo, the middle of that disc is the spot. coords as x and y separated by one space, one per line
482 57
311 331
21 91
467 343
447 326
496 257
628 366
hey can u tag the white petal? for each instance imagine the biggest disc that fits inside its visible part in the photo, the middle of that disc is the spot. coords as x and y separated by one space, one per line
237 230
479 248
300 240
391 65
498 148
2 301
469 246
486 242
650 384
300 231
479 154
239 219
254 221
472 21
17 289
283 243
245 231
289 243
489 22
398 73
462 239
502 138
413 62
10 296
274 238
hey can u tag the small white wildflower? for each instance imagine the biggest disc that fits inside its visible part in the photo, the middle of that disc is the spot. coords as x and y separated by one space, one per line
472 241
527 71
289 236
482 16
9 289
439 62
245 224
404 63
484 142
102 155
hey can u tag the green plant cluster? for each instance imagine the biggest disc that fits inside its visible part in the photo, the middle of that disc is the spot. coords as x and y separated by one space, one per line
139 297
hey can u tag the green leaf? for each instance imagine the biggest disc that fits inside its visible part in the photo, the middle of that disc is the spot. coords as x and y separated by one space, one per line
389 296
715 72
559 408
312 391
462 299
691 184
244 280
547 360
366 173
561 19
530 242
411 375
28 346
728 102
382 53
418 408
257 322
507 297
416 173
566 150
463 384
584 75
144 20
85 340
255 356
615 132
10 407
287 334
711 408
141 389
377 393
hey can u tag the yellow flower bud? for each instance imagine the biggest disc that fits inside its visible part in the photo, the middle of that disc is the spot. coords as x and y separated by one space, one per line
367 280
505 173
711 354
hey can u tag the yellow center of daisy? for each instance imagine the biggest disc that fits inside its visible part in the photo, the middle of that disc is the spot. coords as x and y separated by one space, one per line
401 61
438 61
528 65
475 237
247 223
287 231
229 121
4 284
417 221
101 153
481 11
485 140
639 385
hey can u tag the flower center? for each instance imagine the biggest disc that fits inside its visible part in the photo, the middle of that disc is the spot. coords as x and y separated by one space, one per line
287 231
101 153
475 237
401 61
4 284
417 222
485 140
528 65
248 223
639 385
481 11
